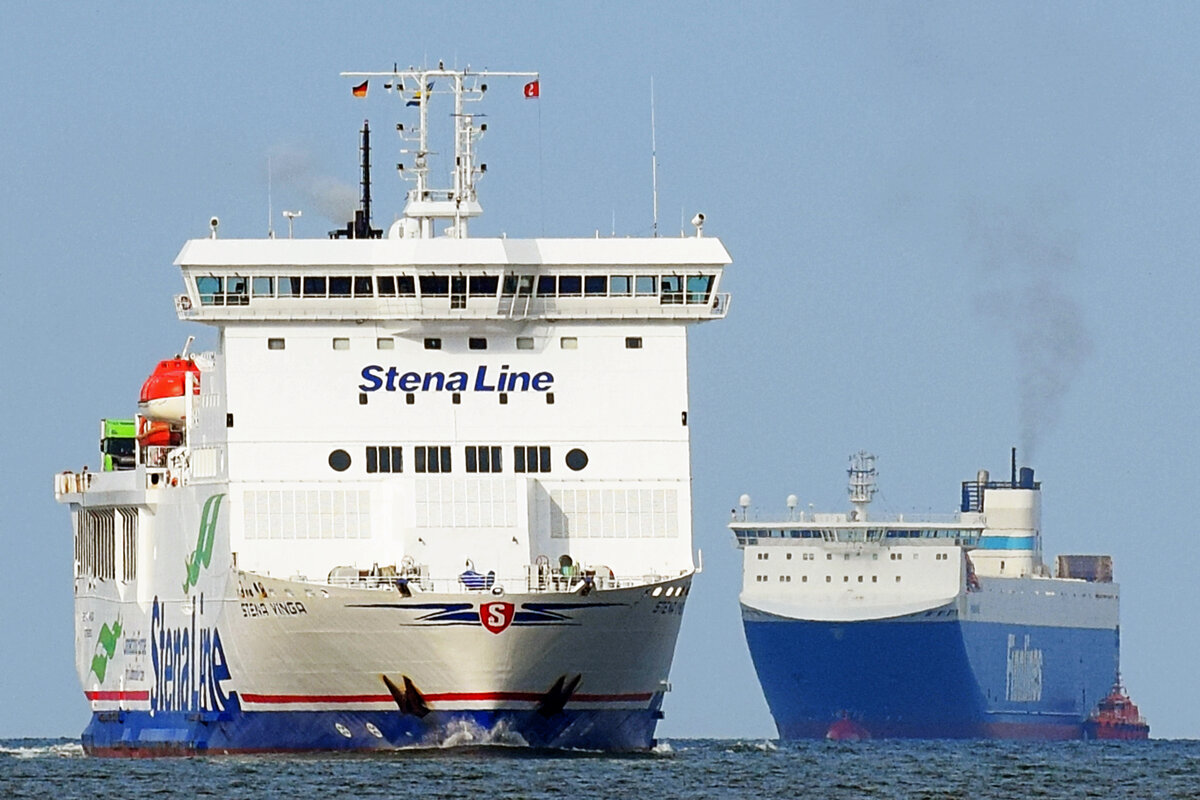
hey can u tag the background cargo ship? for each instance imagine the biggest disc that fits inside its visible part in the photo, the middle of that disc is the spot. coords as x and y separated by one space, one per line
428 488
861 625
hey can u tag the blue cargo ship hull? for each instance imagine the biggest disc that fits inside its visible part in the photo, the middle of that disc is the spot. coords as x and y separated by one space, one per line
924 676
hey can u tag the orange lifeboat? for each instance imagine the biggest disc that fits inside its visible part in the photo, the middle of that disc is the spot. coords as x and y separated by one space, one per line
162 394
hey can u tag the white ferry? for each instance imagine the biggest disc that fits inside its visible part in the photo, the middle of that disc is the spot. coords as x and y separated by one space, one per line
866 625
428 488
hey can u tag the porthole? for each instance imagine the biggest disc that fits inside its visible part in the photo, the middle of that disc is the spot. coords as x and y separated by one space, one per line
339 460
577 459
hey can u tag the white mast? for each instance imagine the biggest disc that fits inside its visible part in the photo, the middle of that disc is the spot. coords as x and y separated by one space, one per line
653 158
459 203
862 483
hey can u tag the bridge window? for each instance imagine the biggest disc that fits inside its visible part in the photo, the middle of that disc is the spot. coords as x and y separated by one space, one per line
619 285
483 285
698 288
434 285
262 287
363 287
570 285
387 285
339 286
289 286
595 285
316 286
406 286
672 289
645 285
547 285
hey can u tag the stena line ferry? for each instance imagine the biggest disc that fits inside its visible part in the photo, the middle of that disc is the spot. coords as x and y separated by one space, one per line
428 489
870 626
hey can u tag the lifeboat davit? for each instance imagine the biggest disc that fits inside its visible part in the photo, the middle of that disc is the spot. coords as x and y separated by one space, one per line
162 394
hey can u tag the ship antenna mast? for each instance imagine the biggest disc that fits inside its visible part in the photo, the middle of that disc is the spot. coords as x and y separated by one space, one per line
416 87
653 158
862 483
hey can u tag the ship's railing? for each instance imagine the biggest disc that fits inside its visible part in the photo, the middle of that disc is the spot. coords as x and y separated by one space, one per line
494 584
440 309
962 536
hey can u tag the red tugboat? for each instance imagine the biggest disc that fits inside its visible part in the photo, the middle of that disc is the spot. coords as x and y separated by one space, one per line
1116 717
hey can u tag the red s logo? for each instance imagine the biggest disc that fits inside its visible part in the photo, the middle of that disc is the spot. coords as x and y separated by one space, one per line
496 616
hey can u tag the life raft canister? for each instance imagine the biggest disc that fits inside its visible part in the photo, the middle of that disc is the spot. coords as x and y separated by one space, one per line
162 393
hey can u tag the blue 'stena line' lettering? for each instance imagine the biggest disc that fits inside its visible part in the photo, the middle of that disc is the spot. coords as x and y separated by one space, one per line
391 379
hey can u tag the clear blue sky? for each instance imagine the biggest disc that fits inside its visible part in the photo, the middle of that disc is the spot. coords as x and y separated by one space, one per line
956 227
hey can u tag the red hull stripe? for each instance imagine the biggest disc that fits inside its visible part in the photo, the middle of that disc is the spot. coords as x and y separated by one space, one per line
118 695
450 697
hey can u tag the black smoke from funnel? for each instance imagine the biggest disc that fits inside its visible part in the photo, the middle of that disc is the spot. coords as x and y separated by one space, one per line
1024 265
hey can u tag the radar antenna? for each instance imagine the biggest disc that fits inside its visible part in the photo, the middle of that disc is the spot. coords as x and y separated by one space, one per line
459 203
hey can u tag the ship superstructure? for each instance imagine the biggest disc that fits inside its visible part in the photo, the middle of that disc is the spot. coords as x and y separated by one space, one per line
926 626
428 487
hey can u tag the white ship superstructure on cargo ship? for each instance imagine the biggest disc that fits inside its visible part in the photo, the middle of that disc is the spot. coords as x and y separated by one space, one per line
427 487
871 625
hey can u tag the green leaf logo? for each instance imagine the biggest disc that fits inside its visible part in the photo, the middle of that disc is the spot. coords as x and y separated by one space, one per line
202 556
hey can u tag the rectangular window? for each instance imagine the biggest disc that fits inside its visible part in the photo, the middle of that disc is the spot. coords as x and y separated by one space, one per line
645 285
483 458
570 285
633 342
435 285
433 343
531 458
698 287
595 285
341 343
484 285
316 286
385 343
406 286
262 287
289 286
458 291
509 287
275 344
672 289
619 285
237 291
210 290
524 342
386 285
362 286
546 285
477 343
432 459
385 458
339 286
569 343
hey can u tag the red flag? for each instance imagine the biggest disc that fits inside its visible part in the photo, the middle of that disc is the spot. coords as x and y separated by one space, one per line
532 89
360 90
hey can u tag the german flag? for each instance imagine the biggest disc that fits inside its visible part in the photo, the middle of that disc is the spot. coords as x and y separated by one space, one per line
360 90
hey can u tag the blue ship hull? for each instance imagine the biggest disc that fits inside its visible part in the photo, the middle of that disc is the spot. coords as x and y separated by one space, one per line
917 677
140 733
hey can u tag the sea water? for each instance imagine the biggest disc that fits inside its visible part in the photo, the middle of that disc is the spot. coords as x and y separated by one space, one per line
46 769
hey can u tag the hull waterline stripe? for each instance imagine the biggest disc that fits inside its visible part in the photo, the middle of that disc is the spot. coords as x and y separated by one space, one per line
118 695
